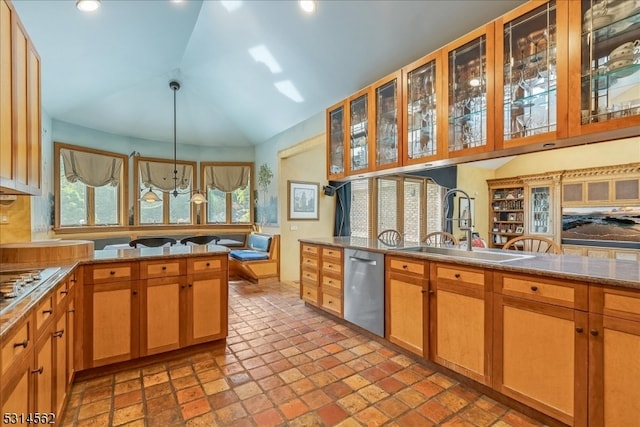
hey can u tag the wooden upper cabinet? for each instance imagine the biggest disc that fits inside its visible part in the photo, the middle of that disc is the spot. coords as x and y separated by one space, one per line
336 140
359 127
468 66
422 113
605 90
387 127
530 70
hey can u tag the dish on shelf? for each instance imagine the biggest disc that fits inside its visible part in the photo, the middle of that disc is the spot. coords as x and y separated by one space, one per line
597 22
615 64
623 9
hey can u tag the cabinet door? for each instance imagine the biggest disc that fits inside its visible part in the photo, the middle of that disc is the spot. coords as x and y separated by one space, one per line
407 310
387 94
71 338
111 334
43 373
423 114
20 106
603 36
6 98
16 393
614 371
540 357
206 308
160 314
59 336
360 127
336 141
470 97
540 211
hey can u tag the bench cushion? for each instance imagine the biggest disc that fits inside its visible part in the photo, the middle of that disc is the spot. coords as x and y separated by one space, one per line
258 242
248 255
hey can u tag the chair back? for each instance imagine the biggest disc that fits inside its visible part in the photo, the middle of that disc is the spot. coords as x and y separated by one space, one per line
440 238
152 242
530 243
200 240
390 237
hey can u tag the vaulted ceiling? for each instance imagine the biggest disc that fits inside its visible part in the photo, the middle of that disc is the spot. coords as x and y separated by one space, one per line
110 69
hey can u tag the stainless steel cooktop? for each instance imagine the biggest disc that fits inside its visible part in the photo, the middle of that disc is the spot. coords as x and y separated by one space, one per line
15 285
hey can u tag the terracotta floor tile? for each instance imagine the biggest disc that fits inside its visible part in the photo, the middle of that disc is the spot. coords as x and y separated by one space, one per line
209 375
442 380
92 409
407 376
316 399
293 408
518 420
184 382
479 417
189 394
128 414
291 375
373 393
310 368
268 418
427 388
127 386
328 362
222 399
302 386
321 379
411 397
127 399
168 417
245 391
434 411
451 400
333 348
97 421
96 394
353 403
310 419
341 371
180 372
371 417
215 386
456 421
257 404
281 394
157 390
205 420
127 375
160 404
390 385
157 378
270 383
337 389
392 407
194 408
356 382
373 374
413 419
349 422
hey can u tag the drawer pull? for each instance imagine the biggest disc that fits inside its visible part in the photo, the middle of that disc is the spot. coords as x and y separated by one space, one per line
22 344
64 292
207 265
47 311
534 288
71 310
183 286
424 291
134 292
329 266
579 329
190 285
38 371
330 302
74 280
58 334
405 266
112 272
457 275
164 267
594 332
431 292
330 282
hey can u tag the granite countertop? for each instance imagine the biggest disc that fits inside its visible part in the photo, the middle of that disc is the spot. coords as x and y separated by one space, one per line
601 271
140 254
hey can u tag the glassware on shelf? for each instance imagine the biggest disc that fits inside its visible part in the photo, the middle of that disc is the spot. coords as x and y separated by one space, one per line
421 112
387 123
359 135
336 141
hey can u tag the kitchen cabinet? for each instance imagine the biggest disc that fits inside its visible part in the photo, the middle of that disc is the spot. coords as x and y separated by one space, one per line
461 319
423 114
43 371
614 345
605 78
310 273
541 344
16 385
407 303
468 66
337 140
331 280
20 109
506 211
387 130
617 185
542 215
360 129
531 48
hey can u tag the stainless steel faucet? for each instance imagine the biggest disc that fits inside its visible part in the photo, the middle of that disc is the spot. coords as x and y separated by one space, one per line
445 210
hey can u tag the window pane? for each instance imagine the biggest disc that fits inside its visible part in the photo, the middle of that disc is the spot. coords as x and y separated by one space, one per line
106 200
217 206
412 210
152 213
434 207
240 206
387 204
359 214
180 207
73 201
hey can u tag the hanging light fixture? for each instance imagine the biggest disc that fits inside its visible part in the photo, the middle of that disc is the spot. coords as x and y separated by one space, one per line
150 196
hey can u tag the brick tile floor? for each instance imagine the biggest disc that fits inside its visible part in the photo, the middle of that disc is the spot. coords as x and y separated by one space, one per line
285 365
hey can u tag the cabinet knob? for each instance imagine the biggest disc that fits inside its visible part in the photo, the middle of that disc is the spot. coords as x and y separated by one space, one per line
112 272
457 275
424 291
594 332
71 310
405 266
431 292
534 288
330 282
207 264
38 371
47 311
58 334
191 285
329 266
183 286
579 329
164 267
21 344
134 292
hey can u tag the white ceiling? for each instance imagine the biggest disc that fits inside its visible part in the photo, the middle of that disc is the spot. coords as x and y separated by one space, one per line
109 69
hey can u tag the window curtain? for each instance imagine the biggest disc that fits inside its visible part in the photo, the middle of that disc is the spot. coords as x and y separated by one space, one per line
160 175
227 178
94 170
342 224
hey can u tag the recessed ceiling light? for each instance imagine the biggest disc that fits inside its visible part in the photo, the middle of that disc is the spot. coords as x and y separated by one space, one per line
87 5
309 6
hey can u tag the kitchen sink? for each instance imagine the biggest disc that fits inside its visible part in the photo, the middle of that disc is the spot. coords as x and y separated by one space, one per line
480 255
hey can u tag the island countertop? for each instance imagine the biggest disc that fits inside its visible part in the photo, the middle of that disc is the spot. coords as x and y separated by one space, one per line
601 271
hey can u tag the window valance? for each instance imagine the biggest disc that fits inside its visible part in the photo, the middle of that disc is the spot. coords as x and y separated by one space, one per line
94 170
227 178
160 175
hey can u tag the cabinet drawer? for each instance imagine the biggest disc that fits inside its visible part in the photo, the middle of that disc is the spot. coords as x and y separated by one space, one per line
309 277
332 302
62 291
467 276
566 294
310 294
116 272
44 311
331 266
407 266
615 302
204 265
14 345
333 253
331 283
311 263
309 250
150 269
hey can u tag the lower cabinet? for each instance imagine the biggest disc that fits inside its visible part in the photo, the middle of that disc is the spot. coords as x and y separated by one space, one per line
322 276
43 372
406 301
461 320
205 303
160 314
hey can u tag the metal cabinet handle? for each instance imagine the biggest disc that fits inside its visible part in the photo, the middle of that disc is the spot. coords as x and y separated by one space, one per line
47 311
405 266
58 334
134 292
594 332
190 285
431 292
71 310
64 292
534 288
38 371
579 329
183 286
457 275
207 264
21 344
112 272
164 267
424 291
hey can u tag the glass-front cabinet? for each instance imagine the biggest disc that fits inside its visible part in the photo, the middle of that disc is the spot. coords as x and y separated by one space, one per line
387 94
609 62
359 138
470 101
422 103
336 140
542 205
530 70
540 210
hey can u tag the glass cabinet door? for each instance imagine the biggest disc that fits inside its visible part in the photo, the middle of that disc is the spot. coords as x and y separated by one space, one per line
467 97
386 92
610 66
540 211
529 68
336 141
358 133
422 102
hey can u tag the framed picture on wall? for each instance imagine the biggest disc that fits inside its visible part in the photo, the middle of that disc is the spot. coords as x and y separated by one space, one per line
302 199
465 211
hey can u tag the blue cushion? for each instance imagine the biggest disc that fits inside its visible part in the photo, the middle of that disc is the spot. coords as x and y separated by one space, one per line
248 255
259 243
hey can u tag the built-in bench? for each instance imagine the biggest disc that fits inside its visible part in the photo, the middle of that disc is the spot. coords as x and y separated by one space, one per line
260 262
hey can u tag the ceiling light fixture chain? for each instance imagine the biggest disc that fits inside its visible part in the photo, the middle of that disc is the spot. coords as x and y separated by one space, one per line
175 86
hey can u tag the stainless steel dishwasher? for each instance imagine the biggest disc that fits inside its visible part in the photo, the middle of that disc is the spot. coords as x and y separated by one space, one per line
364 290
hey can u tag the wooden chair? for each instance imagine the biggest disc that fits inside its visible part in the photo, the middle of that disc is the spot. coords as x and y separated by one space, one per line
201 240
152 242
440 238
528 243
390 237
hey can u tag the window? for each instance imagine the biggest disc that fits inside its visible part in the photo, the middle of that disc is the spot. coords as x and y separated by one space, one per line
173 190
89 185
360 208
229 192
387 204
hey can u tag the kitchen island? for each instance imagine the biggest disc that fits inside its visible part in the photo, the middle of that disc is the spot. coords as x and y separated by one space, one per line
558 333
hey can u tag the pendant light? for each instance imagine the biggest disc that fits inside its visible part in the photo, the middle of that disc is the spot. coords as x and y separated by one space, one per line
150 197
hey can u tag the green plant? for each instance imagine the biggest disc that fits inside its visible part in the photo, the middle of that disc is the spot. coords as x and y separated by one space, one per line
264 179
